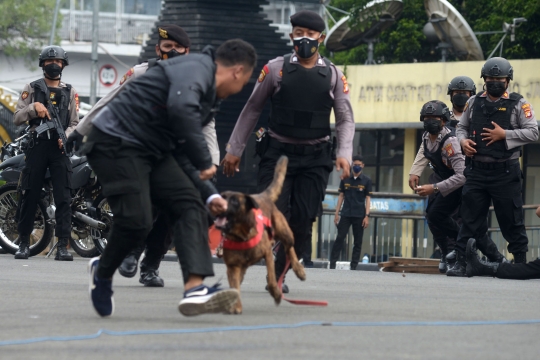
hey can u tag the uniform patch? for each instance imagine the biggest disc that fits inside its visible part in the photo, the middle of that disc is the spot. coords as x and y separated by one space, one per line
127 75
163 33
77 102
263 73
345 84
466 105
281 73
24 95
449 150
527 110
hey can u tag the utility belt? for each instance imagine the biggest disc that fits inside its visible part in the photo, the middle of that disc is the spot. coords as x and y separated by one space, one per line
494 165
298 149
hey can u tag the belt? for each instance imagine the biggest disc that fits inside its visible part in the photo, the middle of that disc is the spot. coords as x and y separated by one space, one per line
297 149
494 165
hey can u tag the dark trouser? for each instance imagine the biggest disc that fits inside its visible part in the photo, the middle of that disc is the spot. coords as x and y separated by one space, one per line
133 180
343 228
303 190
503 187
440 221
156 244
46 154
519 271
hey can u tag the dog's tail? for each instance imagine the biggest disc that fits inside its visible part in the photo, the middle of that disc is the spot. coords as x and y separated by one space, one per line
274 189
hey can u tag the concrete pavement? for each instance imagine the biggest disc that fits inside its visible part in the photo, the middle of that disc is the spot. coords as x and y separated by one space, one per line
45 298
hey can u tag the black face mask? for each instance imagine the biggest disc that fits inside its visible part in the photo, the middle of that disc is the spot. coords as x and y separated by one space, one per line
459 101
52 71
496 88
169 55
305 47
432 126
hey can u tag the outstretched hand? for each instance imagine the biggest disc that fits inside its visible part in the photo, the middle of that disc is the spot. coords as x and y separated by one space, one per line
343 164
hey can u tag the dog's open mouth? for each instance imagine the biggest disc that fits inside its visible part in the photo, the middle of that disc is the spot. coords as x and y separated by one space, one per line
221 222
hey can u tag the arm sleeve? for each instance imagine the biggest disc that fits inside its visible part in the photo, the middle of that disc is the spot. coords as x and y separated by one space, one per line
24 111
264 88
206 188
452 152
341 186
369 189
73 111
184 109
344 116
419 163
209 132
462 129
527 130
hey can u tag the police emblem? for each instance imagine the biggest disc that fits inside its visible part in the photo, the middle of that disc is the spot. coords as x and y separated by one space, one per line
281 73
263 73
163 33
345 84
313 49
449 150
77 102
24 95
527 110
127 75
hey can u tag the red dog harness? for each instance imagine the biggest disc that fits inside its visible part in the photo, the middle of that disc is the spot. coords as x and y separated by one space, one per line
263 223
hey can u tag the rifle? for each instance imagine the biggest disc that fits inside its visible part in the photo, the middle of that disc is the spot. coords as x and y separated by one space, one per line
54 123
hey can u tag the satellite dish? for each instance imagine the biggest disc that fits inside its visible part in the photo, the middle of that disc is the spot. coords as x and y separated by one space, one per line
341 37
453 31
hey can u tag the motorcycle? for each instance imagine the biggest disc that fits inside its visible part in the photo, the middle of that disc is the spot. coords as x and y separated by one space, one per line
91 218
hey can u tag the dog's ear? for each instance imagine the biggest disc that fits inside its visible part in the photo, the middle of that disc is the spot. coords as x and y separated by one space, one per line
251 203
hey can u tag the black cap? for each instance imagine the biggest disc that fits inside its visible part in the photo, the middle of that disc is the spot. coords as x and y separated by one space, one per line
308 19
174 32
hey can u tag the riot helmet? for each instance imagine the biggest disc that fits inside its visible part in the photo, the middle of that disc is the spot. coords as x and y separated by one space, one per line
53 52
461 83
435 108
497 67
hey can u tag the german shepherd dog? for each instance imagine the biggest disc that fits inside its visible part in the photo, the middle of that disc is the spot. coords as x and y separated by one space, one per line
250 226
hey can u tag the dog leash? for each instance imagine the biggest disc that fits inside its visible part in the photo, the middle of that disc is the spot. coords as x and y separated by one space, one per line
295 301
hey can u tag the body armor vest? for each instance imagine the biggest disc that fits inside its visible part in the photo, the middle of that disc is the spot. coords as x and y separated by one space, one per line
59 97
435 158
500 112
302 106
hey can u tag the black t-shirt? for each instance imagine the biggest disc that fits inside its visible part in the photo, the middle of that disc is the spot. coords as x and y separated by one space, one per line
355 192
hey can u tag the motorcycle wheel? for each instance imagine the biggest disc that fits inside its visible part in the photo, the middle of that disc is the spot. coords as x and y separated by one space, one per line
106 217
84 247
42 232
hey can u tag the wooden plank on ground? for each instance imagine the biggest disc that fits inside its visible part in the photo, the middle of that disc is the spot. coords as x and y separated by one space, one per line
418 269
419 261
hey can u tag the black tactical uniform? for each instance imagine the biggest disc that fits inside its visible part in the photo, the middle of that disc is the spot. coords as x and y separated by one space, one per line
44 152
493 174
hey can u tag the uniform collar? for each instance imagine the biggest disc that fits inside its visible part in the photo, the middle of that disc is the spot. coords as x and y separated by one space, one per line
505 95
358 177
320 61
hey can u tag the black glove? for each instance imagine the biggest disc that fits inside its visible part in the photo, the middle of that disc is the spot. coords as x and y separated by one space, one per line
74 141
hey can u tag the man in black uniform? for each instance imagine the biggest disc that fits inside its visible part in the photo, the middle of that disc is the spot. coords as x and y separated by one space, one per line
139 135
303 88
494 126
45 151
354 195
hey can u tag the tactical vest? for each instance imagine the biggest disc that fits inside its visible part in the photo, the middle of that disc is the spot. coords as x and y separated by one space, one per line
500 112
59 97
435 158
302 106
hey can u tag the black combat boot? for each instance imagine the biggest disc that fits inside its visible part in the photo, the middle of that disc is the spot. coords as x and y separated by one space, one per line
24 247
61 251
520 258
451 258
443 264
150 277
489 249
128 268
476 266
459 268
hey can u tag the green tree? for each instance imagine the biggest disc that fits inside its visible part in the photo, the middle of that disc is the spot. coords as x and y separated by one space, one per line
25 27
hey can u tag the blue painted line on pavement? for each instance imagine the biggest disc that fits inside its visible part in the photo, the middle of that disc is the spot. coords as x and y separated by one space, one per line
265 327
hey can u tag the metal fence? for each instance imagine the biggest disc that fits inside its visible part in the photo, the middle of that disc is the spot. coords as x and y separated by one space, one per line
113 28
403 235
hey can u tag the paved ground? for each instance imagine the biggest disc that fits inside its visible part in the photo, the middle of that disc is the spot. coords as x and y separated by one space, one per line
44 298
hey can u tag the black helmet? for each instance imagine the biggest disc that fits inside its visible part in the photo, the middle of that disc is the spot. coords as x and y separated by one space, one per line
461 83
53 52
497 67
435 108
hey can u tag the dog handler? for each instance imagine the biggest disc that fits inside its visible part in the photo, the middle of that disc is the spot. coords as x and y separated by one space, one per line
303 88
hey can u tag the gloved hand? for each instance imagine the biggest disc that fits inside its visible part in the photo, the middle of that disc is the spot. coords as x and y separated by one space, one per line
74 141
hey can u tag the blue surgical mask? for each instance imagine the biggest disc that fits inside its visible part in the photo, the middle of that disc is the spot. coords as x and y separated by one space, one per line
356 169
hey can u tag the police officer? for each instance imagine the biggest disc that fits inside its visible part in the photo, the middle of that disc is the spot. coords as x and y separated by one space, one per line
173 41
354 195
45 151
494 126
133 148
460 89
303 88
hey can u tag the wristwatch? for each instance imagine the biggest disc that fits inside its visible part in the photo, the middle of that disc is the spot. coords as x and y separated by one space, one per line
435 188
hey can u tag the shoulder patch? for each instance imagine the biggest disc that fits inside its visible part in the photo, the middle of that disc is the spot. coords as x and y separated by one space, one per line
127 76
345 84
77 101
281 73
466 105
527 110
449 150
24 95
263 73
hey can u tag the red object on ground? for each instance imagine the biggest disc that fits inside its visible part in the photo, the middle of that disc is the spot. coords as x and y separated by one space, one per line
293 301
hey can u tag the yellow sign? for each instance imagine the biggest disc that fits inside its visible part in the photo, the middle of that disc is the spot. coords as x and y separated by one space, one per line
395 93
